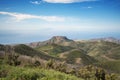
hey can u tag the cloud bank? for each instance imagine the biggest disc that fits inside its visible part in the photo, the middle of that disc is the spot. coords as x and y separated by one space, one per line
67 1
19 16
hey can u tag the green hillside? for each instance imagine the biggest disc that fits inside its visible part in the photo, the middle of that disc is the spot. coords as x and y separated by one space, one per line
72 56
26 50
98 49
54 49
114 53
79 55
112 66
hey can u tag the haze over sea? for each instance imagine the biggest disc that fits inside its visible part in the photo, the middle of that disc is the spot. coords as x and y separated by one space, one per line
24 21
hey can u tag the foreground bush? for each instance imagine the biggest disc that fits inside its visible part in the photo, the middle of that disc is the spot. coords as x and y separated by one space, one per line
25 73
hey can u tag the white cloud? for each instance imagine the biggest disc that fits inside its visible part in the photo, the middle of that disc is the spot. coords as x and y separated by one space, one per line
67 1
88 7
19 17
35 2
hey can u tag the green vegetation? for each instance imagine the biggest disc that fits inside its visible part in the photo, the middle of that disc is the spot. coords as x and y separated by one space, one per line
53 70
26 50
88 72
113 66
97 60
25 73
71 57
97 49
54 49
114 53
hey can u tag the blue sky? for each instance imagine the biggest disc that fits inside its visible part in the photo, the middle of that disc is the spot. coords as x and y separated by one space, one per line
24 21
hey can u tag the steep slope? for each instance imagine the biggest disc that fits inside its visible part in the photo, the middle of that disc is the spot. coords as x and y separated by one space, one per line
26 50
23 50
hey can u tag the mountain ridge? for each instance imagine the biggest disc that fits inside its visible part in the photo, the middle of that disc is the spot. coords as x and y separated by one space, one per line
64 40
61 48
54 40
109 39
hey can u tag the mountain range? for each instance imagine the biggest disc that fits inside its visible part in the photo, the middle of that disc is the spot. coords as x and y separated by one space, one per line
103 52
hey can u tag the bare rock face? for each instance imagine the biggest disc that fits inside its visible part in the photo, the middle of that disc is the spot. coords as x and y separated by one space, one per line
33 44
59 39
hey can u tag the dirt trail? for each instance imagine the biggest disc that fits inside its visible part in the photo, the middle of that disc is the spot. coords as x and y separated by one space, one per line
110 59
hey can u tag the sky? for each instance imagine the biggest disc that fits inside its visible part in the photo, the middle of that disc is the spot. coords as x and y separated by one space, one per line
24 21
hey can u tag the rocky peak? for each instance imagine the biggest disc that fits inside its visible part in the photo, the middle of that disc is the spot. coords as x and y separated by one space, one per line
57 39
60 38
